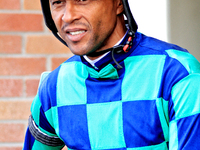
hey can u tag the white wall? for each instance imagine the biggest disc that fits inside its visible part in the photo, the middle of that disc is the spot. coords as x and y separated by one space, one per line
151 17
185 25
174 21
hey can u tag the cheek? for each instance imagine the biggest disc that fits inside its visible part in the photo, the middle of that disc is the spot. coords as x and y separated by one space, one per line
106 21
98 30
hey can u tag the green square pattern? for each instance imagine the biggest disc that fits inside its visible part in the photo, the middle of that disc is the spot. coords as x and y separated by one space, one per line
71 85
105 125
149 83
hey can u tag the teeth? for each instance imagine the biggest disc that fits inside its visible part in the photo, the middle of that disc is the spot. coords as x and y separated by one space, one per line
76 32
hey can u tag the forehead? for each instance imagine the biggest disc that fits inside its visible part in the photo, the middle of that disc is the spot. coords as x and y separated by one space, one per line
81 1
106 4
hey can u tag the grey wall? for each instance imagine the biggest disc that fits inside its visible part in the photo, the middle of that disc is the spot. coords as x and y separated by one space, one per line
184 24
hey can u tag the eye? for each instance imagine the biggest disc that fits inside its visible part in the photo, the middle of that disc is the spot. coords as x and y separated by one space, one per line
56 2
82 1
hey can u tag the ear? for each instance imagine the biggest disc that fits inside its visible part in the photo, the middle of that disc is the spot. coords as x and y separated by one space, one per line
120 7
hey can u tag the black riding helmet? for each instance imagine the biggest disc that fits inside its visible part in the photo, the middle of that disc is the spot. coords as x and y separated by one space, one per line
131 23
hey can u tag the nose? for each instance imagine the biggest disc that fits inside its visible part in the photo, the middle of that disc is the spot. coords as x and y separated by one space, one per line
70 12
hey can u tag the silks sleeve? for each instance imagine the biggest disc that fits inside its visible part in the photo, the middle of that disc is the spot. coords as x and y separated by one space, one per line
184 128
184 125
40 133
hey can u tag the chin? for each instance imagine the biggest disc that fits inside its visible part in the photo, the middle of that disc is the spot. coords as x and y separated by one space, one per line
80 50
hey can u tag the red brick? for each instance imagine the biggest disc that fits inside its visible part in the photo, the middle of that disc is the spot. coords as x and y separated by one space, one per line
31 87
10 148
14 110
55 62
10 4
32 5
21 22
22 66
11 132
10 44
37 44
11 87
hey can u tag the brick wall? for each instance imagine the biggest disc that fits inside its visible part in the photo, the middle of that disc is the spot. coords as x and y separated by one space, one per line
27 48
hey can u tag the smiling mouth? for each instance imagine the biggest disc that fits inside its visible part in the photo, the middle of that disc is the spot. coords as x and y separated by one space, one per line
77 32
76 35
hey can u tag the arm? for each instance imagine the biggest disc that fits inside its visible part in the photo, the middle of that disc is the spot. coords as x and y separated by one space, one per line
40 134
184 102
184 127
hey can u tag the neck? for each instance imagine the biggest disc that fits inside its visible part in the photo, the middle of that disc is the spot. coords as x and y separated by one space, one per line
116 36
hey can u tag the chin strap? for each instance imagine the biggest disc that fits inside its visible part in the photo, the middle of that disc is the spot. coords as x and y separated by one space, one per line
59 38
129 42
117 49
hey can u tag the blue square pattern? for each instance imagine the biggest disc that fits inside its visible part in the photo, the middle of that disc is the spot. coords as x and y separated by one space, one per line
189 139
110 90
73 127
141 124
105 125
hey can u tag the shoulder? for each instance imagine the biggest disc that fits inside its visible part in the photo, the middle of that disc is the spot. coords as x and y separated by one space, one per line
173 53
48 83
158 45
50 78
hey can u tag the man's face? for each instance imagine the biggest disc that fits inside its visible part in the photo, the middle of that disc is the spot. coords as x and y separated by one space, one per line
88 25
